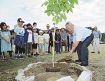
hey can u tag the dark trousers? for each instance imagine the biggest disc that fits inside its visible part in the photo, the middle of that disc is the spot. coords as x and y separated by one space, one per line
82 49
19 50
58 47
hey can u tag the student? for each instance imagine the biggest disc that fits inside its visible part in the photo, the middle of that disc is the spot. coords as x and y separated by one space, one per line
29 41
57 42
41 42
35 42
5 40
46 39
82 37
19 32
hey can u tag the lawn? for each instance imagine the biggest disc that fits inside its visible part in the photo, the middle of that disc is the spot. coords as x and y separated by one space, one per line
9 68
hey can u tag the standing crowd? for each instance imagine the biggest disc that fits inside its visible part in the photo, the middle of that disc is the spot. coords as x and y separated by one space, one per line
29 40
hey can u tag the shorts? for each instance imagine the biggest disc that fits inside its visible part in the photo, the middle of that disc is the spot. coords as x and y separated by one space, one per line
34 46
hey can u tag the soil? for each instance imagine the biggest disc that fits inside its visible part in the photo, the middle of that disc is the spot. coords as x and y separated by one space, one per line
66 69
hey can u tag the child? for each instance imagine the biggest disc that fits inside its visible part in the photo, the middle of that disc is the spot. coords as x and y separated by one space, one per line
41 42
35 42
29 41
19 38
5 40
57 42
46 39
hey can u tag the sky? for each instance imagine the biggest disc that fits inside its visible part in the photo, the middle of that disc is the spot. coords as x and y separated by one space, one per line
88 13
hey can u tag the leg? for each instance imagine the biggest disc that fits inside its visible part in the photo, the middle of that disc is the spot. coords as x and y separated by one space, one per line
79 51
84 50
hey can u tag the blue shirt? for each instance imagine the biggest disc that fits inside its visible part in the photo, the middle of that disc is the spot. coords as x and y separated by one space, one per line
80 33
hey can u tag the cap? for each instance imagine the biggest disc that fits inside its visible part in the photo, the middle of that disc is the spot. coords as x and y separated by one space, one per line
20 20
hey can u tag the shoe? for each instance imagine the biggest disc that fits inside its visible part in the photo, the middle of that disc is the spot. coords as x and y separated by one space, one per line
84 64
77 61
92 52
36 54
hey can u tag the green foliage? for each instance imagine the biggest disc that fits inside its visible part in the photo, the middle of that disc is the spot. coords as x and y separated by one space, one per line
58 9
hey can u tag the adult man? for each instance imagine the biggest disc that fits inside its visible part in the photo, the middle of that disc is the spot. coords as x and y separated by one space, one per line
82 38
96 40
64 39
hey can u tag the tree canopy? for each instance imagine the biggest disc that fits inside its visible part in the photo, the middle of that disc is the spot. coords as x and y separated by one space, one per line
58 9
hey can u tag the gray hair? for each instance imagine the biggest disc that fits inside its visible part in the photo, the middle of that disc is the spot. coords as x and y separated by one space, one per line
68 23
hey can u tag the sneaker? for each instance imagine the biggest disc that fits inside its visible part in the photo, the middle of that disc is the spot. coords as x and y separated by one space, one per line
84 64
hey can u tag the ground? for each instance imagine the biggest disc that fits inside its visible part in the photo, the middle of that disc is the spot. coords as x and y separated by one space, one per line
9 68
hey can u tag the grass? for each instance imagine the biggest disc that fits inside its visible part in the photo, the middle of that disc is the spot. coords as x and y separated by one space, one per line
9 68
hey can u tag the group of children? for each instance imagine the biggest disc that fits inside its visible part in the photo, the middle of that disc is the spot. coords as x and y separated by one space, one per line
29 40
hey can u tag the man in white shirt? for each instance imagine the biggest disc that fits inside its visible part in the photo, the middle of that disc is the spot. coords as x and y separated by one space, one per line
82 37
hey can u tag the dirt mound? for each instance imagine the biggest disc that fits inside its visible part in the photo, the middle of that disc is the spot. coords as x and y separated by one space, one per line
39 71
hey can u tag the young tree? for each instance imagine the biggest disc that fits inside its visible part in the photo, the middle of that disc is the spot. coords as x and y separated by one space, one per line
58 9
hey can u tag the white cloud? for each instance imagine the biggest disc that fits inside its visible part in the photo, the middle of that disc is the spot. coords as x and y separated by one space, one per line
87 13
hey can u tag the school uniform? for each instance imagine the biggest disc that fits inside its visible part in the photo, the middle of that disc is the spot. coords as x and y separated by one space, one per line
85 37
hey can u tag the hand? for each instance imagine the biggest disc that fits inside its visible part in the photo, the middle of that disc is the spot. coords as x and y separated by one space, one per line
71 51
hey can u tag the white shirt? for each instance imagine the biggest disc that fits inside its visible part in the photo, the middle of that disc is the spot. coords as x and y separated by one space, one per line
35 37
80 33
46 37
19 31
29 36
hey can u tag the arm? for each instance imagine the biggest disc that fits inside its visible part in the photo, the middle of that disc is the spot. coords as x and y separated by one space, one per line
75 44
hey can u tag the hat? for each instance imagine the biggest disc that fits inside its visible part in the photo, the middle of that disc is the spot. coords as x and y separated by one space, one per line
20 20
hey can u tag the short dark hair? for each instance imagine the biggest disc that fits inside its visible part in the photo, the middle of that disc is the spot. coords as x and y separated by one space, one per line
34 23
29 24
2 24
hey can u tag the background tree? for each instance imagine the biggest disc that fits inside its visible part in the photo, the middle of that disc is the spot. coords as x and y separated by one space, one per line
58 9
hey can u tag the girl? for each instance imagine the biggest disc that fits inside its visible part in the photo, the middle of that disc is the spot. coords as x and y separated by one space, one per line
41 42
5 40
